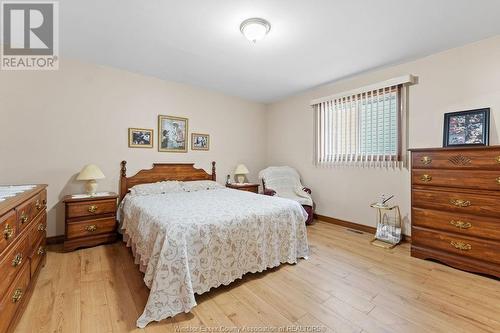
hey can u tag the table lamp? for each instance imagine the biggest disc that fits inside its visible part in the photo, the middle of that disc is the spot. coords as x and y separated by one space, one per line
240 172
90 173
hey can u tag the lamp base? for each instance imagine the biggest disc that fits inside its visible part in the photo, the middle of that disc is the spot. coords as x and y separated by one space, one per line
91 187
241 179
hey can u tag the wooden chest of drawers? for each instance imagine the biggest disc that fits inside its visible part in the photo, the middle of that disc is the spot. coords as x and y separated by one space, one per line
90 221
456 207
23 220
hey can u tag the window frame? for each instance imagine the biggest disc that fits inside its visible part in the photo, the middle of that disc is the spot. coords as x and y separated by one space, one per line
322 112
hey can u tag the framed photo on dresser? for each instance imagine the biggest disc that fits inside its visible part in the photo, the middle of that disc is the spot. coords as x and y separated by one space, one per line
466 128
172 134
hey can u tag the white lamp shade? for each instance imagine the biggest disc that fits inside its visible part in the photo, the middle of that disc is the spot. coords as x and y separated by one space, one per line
90 172
241 169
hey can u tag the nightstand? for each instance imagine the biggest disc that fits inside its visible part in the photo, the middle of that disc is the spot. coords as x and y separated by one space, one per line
244 187
89 221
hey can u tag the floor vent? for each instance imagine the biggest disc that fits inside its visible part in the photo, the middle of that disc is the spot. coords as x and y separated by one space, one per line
355 231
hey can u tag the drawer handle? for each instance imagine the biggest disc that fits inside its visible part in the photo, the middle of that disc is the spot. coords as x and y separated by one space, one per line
462 246
498 180
91 228
497 159
426 178
18 294
92 209
8 232
18 259
426 160
24 217
41 227
460 203
41 250
460 224
38 205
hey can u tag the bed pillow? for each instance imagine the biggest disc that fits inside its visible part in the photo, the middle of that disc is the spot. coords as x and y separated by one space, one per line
169 186
200 185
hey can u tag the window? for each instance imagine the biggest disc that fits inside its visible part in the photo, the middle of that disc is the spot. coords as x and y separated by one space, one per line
364 127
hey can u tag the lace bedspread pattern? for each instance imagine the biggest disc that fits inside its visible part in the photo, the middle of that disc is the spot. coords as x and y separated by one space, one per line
187 243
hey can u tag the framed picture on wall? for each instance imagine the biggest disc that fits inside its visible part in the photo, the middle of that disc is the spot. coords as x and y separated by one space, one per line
172 134
466 128
200 141
140 138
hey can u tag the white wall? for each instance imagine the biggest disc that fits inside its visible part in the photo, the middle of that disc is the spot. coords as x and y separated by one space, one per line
53 123
458 79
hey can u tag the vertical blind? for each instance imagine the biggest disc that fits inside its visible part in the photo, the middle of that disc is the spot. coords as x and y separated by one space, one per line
365 128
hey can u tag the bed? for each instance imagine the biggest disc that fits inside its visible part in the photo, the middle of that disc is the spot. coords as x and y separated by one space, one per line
189 241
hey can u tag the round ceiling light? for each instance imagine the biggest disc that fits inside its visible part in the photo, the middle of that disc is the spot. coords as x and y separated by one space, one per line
255 29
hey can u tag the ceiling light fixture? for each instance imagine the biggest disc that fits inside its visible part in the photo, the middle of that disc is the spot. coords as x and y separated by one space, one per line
255 29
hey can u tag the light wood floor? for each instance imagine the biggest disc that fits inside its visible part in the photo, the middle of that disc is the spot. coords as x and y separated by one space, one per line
347 285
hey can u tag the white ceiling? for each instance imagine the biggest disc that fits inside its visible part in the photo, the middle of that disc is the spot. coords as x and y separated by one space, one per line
311 41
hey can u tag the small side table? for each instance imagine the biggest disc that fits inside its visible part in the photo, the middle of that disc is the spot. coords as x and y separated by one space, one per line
249 187
89 221
388 232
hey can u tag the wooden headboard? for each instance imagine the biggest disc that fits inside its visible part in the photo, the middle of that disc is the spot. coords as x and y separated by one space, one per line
161 172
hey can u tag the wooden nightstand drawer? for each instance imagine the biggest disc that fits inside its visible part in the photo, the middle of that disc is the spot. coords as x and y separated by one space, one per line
90 208
91 227
90 221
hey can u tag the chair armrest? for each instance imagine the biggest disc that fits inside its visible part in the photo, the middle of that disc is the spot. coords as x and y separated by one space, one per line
307 190
269 192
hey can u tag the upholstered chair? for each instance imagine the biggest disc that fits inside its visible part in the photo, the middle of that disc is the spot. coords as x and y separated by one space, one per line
285 182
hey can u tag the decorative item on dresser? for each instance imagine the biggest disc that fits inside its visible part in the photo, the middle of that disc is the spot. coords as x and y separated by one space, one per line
456 207
90 220
23 220
249 187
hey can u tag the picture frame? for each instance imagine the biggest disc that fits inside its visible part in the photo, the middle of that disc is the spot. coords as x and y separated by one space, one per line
172 134
467 128
200 141
140 137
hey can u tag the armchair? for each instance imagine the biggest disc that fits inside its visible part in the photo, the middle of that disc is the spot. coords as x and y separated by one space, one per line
285 182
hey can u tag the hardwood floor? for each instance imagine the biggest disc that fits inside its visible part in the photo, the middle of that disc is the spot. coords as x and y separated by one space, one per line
347 285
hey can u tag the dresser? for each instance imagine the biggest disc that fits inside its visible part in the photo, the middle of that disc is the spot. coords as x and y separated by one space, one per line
89 221
23 220
455 214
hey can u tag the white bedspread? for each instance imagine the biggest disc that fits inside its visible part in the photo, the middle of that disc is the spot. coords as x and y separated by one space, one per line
187 243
